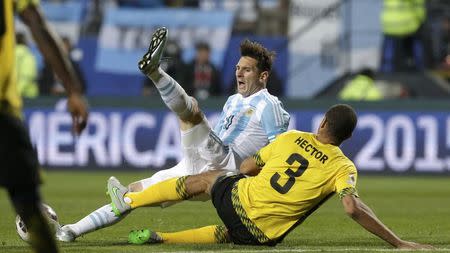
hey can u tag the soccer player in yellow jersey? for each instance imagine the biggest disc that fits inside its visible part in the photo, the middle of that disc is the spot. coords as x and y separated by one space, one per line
288 180
18 171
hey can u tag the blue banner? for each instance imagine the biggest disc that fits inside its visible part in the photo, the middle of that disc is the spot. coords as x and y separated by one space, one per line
384 141
64 17
125 34
67 11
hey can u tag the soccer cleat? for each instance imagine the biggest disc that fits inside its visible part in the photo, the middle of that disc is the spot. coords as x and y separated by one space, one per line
150 61
116 192
144 236
65 234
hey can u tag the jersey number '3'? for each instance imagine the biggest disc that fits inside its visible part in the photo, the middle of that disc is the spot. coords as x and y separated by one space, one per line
292 174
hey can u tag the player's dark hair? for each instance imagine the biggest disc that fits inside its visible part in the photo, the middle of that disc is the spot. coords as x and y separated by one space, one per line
341 119
258 52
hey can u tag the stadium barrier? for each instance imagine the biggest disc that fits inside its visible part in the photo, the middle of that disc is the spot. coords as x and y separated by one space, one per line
411 136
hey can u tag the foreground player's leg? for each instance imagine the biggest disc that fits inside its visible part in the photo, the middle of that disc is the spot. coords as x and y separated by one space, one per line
208 234
171 92
28 206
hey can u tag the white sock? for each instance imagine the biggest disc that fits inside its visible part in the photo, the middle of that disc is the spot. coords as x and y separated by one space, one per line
100 218
173 95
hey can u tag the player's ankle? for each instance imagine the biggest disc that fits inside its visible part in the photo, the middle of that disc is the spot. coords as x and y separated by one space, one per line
155 75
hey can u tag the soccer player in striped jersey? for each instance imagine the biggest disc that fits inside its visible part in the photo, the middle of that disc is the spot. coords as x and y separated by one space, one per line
250 120
19 162
288 180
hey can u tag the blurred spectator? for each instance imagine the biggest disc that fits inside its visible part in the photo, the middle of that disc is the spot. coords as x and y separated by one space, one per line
264 17
402 23
173 65
441 48
94 15
141 3
46 80
203 75
93 18
438 36
182 3
49 84
444 45
26 68
275 85
361 87
273 18
246 12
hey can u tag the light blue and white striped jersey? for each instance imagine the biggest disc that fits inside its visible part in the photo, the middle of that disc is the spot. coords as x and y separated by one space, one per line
249 123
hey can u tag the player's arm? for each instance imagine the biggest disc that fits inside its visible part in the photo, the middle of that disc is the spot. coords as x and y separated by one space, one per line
49 45
363 215
249 167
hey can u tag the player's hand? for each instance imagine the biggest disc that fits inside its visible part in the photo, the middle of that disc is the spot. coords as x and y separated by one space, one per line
413 245
78 108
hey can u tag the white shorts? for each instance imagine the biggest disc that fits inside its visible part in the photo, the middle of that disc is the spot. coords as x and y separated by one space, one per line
203 151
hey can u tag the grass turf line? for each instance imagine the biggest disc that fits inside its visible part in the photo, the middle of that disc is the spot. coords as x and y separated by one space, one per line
416 208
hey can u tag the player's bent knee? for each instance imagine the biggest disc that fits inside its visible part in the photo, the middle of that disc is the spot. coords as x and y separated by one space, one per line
190 122
211 178
135 187
192 115
195 185
201 183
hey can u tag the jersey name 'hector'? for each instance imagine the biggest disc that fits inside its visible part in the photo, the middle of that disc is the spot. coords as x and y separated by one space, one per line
304 144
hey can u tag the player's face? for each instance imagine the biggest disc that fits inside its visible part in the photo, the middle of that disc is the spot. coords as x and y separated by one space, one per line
248 77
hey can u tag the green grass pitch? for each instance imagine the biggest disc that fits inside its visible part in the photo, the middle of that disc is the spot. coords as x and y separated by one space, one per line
416 208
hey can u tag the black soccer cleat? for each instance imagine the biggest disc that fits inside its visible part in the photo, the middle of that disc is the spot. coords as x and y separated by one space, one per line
150 61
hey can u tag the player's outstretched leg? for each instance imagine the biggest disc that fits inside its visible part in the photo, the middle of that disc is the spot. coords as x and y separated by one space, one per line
208 234
144 236
173 95
27 204
100 218
105 216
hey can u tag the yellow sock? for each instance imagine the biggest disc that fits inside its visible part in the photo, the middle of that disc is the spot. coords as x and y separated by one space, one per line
171 189
208 234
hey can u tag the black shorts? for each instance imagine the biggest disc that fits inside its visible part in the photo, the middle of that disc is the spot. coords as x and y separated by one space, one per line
18 159
221 199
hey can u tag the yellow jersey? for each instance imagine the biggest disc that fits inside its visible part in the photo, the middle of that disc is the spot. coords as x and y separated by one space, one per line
298 174
10 100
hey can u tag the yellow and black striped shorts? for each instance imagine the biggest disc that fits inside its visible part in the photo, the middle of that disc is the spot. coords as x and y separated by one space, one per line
222 198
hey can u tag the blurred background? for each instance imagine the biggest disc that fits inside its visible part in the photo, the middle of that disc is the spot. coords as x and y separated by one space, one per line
391 64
